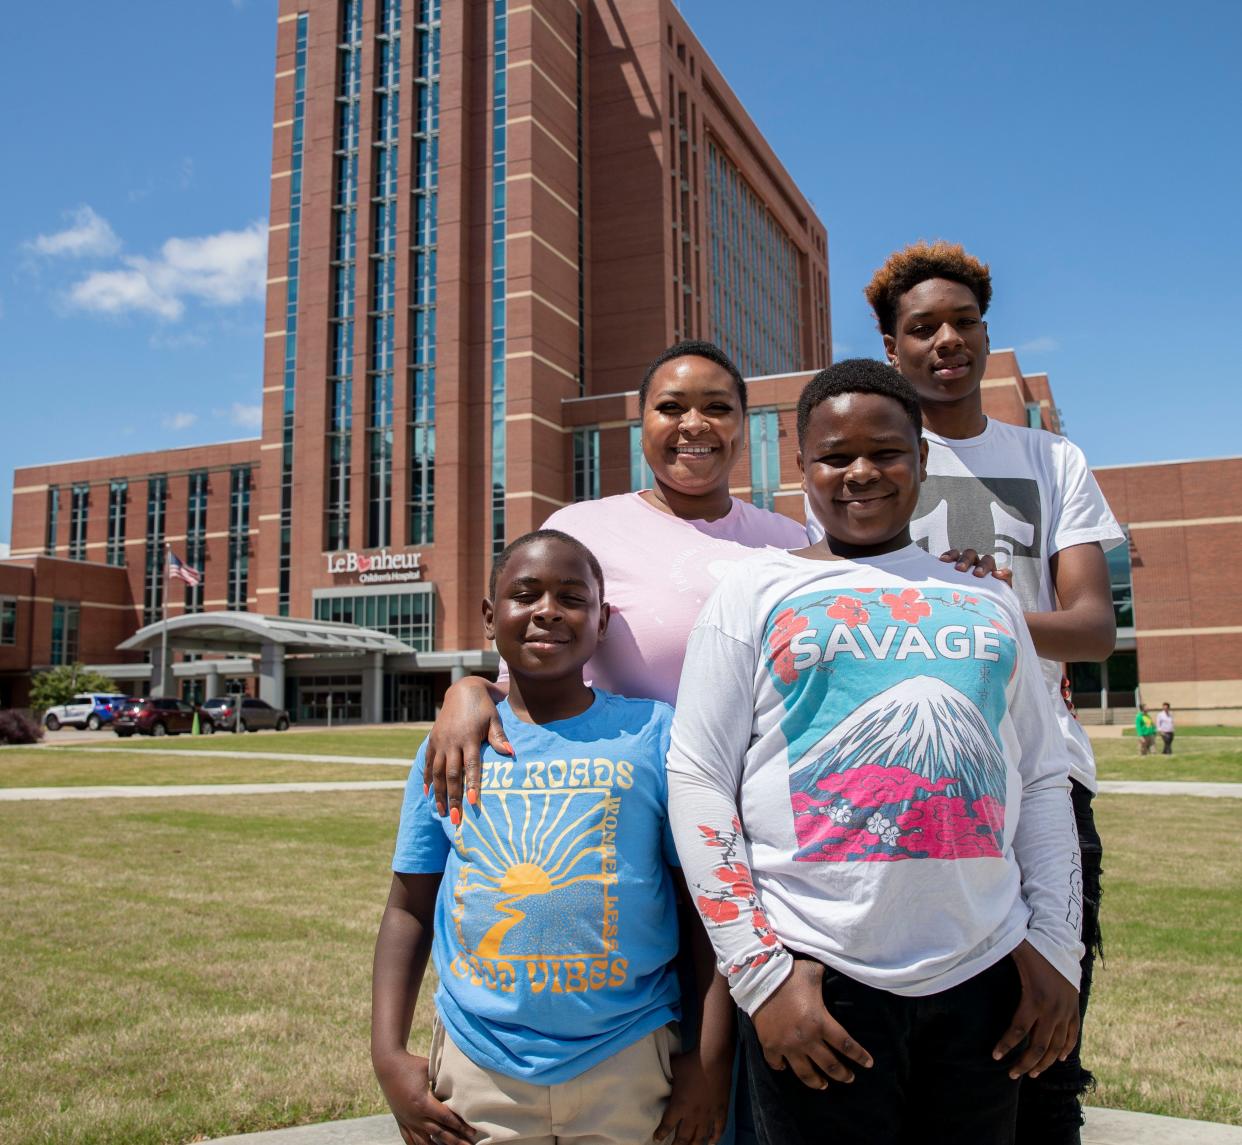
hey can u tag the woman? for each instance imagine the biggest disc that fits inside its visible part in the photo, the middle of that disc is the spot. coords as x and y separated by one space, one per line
662 551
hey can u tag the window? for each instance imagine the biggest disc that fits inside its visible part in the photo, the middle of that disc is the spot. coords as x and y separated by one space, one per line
65 619
118 496
1034 418
239 538
765 457
755 270
409 616
153 579
53 520
586 464
640 471
8 620
196 537
500 72
79 504
1121 582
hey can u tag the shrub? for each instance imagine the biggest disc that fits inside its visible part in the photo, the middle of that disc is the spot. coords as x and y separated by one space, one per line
17 727
59 685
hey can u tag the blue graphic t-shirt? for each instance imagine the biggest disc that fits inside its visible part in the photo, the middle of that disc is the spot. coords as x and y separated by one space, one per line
865 767
556 921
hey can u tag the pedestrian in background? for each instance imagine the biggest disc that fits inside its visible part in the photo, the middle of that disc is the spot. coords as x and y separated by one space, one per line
1164 725
1145 729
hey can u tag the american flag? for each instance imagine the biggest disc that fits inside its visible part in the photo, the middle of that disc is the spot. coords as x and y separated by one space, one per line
180 571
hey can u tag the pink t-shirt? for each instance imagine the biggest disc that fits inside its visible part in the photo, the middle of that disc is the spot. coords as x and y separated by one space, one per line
658 572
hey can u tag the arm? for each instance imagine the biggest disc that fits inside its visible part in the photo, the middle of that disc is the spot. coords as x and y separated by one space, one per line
467 719
1045 845
711 733
702 1076
1083 628
401 953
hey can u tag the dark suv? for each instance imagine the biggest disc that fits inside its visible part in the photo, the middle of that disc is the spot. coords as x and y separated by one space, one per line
255 714
156 716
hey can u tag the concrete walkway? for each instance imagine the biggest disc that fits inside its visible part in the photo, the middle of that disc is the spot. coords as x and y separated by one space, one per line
1153 787
1104 1127
241 753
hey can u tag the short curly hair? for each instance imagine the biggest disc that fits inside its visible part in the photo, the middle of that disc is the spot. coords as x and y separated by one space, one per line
858 376
903 270
694 349
498 565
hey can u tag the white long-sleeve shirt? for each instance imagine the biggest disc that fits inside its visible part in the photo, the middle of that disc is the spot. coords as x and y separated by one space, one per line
865 767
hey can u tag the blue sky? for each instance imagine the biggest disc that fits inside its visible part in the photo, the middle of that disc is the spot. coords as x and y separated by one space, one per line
1089 152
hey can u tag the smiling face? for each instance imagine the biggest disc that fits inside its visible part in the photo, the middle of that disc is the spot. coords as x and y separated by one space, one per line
941 341
692 426
862 464
547 616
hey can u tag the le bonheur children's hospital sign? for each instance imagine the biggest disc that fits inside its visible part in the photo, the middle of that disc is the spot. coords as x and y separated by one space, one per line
376 568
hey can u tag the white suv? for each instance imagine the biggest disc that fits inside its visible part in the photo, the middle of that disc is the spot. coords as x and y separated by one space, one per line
89 710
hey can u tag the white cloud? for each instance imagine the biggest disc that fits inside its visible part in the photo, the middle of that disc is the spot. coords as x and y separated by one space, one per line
223 269
4 550
1041 345
248 417
88 235
183 419
185 340
841 350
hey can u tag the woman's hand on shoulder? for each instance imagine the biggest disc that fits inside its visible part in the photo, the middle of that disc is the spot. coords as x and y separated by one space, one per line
978 564
467 720
422 1118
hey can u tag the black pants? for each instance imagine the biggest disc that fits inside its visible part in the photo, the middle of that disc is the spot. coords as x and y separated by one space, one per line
934 1081
1168 742
1049 1106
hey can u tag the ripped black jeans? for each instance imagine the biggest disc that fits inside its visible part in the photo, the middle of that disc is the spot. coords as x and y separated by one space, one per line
1050 1106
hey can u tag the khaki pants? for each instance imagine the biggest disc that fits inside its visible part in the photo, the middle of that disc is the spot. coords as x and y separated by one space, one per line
618 1102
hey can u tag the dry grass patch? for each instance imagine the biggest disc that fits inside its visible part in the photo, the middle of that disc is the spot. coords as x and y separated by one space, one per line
196 967
44 767
1162 1030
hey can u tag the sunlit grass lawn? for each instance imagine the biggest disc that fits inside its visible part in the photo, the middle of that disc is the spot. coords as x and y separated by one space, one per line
201 966
41 767
1162 1029
1215 759
389 743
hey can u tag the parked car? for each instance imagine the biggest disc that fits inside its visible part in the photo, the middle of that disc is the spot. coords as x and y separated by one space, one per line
255 714
89 710
157 716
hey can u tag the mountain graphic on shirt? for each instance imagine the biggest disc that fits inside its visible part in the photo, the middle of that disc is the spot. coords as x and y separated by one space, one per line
914 772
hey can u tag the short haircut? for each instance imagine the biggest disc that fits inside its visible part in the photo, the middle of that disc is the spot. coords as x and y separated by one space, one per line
903 270
498 565
708 350
858 376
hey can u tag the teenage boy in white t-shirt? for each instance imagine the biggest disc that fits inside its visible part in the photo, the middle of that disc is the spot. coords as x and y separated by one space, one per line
871 806
1028 497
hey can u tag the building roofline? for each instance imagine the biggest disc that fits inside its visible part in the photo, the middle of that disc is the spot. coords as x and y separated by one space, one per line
139 453
1174 461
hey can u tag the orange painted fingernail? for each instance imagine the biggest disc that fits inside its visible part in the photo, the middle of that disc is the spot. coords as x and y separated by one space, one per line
472 797
426 789
455 816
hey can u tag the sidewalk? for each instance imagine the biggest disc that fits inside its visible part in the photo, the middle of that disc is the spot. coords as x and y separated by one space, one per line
1104 1127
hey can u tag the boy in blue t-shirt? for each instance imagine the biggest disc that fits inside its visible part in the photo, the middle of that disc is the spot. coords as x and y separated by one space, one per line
551 903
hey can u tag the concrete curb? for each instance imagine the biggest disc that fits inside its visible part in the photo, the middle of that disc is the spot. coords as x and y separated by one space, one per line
53 794
1104 1127
1162 787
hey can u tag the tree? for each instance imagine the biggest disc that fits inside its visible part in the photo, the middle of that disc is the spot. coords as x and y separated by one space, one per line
59 685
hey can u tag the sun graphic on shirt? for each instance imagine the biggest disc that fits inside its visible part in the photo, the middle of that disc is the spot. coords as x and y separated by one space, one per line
521 847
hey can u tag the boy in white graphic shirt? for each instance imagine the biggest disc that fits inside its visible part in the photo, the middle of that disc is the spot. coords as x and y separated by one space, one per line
871 807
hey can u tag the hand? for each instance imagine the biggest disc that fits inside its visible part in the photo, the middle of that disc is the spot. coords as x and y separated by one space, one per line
969 560
467 719
1047 1015
699 1103
422 1119
795 1028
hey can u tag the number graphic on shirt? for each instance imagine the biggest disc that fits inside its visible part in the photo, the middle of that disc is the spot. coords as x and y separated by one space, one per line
933 528
1011 530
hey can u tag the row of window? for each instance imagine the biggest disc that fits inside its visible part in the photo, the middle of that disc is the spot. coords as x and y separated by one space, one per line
500 103
409 616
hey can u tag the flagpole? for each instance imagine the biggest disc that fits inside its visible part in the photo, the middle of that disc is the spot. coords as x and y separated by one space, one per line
164 672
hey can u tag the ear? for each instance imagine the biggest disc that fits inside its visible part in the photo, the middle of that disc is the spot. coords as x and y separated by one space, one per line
605 614
890 350
801 470
922 459
489 618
